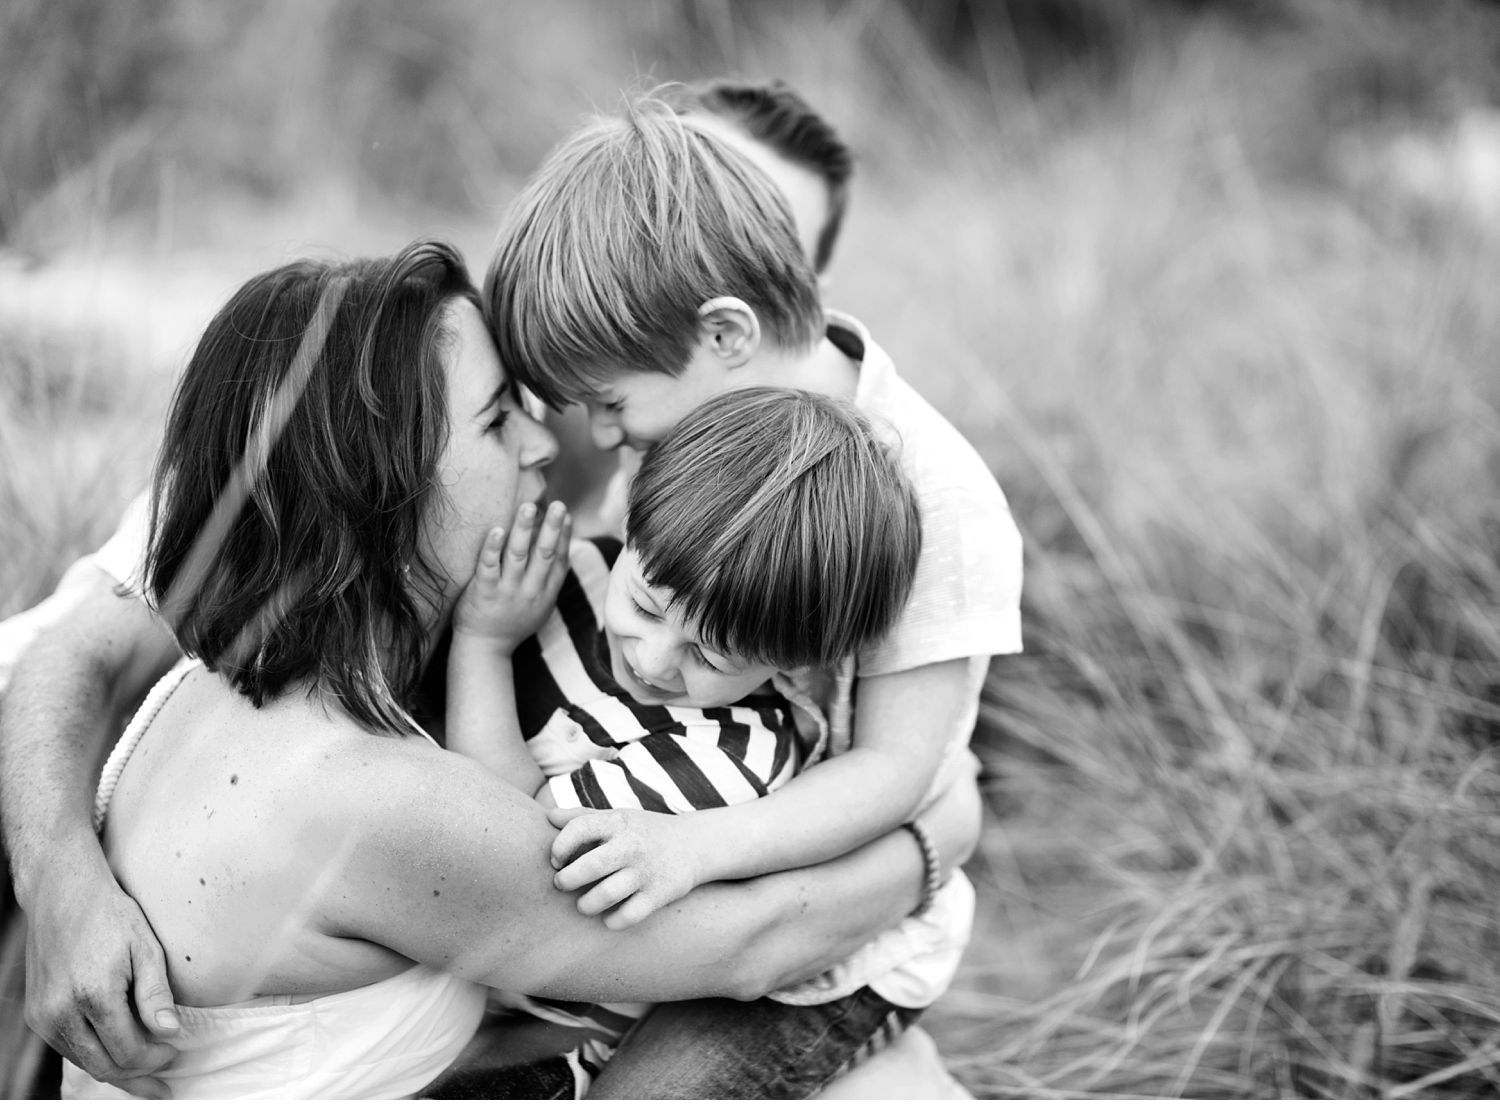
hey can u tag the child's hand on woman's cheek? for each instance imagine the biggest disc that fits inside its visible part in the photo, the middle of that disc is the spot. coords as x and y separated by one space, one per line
632 862
515 582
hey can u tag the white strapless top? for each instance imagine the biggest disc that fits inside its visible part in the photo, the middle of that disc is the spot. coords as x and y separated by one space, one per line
386 1040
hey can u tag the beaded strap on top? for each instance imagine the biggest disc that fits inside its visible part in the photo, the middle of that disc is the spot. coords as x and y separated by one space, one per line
122 751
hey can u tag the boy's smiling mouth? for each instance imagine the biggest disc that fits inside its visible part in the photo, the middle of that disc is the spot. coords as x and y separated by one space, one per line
625 675
654 690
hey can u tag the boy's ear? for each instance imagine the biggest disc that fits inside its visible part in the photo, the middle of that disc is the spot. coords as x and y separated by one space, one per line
730 329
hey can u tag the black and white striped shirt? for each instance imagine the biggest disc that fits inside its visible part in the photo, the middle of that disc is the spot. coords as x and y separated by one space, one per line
601 749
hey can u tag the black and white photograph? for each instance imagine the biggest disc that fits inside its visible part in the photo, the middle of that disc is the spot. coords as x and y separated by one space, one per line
872 550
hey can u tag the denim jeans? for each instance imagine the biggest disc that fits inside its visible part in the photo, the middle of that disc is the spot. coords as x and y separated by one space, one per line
546 1080
512 1056
726 1049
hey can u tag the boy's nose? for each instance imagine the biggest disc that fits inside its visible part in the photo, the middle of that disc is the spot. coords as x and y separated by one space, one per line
655 660
605 431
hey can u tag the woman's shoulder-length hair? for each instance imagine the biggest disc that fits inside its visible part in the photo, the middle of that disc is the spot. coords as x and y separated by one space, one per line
298 463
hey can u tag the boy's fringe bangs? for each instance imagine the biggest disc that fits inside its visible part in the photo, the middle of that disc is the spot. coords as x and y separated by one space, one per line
629 227
780 525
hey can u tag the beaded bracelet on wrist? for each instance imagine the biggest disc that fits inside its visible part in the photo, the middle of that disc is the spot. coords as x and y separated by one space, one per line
932 868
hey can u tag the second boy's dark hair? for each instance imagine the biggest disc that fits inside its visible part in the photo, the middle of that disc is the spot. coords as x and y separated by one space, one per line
773 113
781 525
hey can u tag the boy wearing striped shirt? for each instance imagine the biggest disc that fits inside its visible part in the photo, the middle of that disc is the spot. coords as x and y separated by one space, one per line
771 533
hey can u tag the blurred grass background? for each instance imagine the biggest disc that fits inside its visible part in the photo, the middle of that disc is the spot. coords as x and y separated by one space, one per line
1215 288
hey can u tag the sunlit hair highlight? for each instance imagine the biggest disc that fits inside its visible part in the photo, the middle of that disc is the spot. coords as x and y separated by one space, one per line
781 525
774 114
293 482
623 233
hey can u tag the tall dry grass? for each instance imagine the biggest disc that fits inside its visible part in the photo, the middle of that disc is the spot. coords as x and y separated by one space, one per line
1234 368
1245 778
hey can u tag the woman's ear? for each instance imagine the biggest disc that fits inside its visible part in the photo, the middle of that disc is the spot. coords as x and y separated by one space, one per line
729 329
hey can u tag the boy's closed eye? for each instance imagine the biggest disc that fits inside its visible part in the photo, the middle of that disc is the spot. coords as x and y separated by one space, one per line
603 402
704 661
728 664
698 655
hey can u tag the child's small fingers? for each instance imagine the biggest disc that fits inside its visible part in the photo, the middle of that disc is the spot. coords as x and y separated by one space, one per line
634 910
558 817
518 548
589 867
610 892
489 552
580 834
544 553
582 872
564 542
547 536
555 570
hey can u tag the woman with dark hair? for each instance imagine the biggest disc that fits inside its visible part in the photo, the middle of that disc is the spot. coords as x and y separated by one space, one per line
331 889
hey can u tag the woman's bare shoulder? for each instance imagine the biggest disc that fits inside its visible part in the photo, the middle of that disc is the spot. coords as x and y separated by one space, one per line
312 769
404 798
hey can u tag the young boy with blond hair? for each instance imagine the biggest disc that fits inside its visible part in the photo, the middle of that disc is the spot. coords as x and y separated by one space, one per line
649 267
774 127
801 152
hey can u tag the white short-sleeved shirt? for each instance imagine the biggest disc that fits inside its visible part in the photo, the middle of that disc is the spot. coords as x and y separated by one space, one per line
966 600
965 604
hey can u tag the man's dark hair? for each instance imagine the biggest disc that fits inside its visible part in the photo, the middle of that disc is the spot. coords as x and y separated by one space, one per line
777 116
293 483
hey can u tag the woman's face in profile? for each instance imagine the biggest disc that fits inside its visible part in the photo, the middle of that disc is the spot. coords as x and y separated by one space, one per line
494 458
